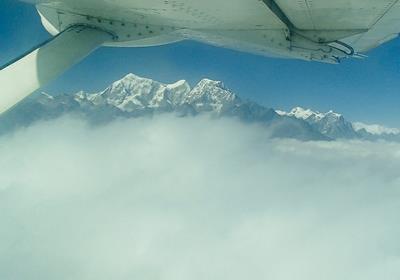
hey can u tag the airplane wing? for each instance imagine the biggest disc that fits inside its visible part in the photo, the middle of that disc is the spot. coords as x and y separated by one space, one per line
360 24
312 30
380 19
24 75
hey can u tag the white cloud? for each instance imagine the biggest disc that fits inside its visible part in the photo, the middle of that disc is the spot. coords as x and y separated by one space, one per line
194 198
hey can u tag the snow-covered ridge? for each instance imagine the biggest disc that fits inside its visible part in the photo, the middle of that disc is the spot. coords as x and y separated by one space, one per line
336 126
304 114
134 96
133 92
375 129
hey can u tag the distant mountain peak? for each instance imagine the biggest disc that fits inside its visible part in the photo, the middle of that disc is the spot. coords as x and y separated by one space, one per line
330 123
375 129
133 92
135 96
213 83
304 114
211 94
128 83
131 76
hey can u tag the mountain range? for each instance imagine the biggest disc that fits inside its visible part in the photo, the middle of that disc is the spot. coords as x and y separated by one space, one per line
134 96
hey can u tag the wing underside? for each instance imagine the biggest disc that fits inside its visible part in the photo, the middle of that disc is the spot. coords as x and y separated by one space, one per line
374 21
379 18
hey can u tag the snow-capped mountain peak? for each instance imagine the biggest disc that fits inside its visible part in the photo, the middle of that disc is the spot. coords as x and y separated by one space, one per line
301 113
375 129
209 94
330 123
134 96
133 92
304 114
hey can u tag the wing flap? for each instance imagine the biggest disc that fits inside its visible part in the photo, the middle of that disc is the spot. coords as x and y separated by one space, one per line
376 21
335 15
386 29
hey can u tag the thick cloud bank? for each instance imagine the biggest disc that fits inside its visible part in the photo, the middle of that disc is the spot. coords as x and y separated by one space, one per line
195 198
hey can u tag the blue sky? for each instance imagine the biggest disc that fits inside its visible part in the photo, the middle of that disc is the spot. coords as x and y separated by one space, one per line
363 90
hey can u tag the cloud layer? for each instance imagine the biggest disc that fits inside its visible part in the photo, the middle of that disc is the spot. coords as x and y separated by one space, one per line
194 198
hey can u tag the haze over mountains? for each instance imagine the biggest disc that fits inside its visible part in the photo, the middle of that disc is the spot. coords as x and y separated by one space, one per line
133 96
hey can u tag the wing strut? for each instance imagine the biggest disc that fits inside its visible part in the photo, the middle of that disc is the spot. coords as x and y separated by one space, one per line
24 76
279 13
